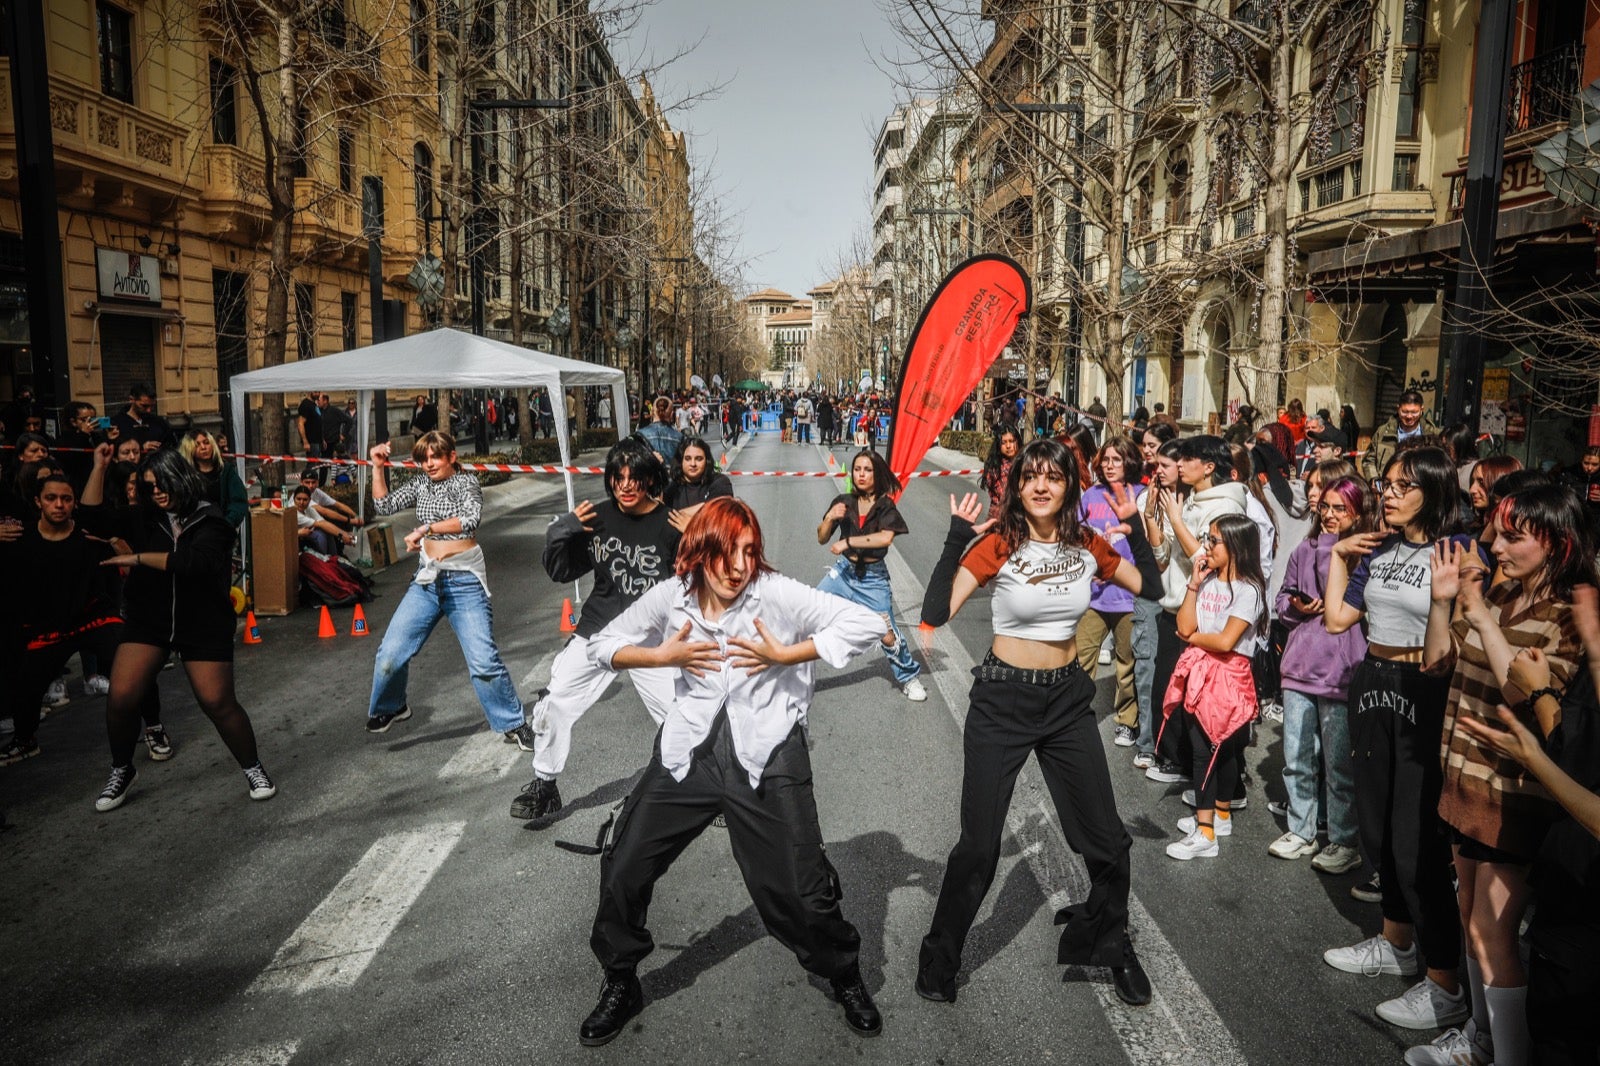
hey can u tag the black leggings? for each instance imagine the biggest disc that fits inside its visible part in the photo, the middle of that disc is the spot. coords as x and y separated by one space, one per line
1056 723
35 670
133 676
1396 718
1220 778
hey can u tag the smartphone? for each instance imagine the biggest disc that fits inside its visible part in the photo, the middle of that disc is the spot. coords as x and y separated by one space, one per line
102 423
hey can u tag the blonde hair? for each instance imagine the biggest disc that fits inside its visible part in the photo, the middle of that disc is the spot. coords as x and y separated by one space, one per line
190 439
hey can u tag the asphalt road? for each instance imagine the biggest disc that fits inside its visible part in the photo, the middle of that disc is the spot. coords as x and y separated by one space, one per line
385 909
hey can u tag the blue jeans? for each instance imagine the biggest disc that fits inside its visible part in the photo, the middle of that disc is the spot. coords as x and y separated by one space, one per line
1317 768
871 591
460 597
1144 670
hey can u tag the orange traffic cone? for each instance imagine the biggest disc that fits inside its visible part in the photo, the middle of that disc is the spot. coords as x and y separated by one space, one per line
325 624
252 632
358 625
724 458
569 620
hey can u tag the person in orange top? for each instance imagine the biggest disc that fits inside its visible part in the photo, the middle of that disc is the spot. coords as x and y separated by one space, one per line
1294 419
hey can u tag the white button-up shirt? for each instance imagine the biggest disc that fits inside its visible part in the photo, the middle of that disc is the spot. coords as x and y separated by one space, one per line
763 708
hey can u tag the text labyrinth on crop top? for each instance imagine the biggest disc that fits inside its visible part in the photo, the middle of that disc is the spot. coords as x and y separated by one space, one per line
1042 589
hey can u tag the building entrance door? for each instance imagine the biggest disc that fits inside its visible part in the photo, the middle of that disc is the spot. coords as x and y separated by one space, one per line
1391 363
127 357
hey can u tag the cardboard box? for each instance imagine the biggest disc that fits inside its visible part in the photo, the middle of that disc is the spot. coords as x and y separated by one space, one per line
381 545
274 561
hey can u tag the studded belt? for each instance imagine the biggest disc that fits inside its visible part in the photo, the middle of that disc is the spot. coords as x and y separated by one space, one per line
995 669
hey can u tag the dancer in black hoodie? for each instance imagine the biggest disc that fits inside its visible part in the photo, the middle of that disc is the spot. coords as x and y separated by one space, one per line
176 598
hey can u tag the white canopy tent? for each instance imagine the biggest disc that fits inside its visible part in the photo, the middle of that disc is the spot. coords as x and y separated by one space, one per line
439 359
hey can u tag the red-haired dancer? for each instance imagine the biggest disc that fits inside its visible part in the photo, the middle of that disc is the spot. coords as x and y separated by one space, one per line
740 640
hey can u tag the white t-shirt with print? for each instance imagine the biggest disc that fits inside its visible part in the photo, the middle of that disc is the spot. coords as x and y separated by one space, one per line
1218 600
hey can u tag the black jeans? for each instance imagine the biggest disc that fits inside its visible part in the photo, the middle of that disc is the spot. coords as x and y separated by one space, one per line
1215 780
775 838
1396 718
1056 723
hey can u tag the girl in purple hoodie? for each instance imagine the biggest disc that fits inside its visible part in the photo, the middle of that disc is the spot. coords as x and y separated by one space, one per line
1317 668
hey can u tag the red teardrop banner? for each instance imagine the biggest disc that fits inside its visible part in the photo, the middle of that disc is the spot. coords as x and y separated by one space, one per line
961 332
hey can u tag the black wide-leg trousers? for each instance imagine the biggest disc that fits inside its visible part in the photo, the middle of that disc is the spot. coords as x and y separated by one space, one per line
775 839
1056 723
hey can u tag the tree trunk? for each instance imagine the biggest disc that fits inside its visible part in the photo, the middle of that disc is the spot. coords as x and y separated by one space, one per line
1260 389
280 269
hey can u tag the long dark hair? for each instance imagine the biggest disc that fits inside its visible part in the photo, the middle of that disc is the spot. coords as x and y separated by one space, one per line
884 483
993 464
677 461
175 476
1243 541
1044 454
1435 475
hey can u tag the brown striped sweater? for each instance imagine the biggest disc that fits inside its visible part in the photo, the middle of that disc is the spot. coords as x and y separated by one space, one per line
1487 797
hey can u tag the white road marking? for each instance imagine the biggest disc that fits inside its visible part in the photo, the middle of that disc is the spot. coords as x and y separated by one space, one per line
338 940
1155 1035
269 1055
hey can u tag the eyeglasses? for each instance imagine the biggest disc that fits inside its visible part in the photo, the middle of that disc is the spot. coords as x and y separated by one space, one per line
1332 508
1392 488
1207 540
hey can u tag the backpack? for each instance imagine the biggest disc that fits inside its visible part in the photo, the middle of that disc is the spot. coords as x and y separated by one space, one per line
325 579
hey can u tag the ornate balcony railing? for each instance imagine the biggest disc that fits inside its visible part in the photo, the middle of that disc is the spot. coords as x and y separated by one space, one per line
1544 89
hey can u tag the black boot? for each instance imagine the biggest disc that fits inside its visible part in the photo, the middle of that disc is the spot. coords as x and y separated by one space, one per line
621 999
538 799
860 1013
1130 981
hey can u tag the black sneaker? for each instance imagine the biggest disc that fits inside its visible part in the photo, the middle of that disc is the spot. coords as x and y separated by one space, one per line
18 750
1368 891
538 799
261 786
116 789
1167 772
621 998
380 723
522 736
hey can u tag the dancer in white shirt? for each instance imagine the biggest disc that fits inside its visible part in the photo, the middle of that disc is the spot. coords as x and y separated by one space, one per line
741 639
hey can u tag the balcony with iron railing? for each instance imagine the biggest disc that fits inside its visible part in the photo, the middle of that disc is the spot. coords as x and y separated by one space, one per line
1544 90
1337 200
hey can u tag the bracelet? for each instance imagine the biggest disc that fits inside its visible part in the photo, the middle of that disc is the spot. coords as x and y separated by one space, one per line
1549 690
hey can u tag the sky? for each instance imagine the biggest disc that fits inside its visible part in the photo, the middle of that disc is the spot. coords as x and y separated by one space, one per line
790 136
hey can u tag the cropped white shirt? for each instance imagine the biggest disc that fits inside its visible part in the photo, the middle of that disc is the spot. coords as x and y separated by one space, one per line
1042 588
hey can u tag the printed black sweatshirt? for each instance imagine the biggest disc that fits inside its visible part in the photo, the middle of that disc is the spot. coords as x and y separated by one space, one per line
628 555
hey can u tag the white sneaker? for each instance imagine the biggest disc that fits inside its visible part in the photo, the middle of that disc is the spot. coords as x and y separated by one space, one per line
55 695
1374 956
1105 656
1237 805
1292 846
1337 859
1194 846
96 685
1425 1006
1223 827
914 690
1455 1047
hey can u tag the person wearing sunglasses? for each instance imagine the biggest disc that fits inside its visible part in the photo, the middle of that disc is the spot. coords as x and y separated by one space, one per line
1397 714
176 599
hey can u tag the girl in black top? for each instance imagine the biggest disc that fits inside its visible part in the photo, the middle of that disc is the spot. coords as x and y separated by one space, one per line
695 479
997 467
177 600
867 522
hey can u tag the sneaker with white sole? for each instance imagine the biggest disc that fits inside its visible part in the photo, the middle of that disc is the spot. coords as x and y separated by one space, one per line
261 786
1238 804
158 743
1143 761
1167 773
96 685
1124 736
1425 1005
1292 846
1194 846
116 789
18 750
1374 956
1105 656
1223 827
56 695
1454 1047
914 690
1368 891
1337 859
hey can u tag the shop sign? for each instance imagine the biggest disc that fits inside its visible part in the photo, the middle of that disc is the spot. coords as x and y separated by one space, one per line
128 276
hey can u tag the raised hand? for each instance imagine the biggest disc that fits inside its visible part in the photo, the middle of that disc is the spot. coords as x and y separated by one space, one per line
1446 572
696 657
1516 741
836 513
1357 545
102 455
971 509
379 454
585 513
1123 502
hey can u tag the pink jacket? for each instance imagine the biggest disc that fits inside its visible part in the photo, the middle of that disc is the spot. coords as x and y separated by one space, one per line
1217 688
